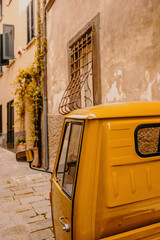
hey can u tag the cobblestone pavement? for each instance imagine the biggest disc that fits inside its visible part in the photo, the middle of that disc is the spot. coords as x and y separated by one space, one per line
25 212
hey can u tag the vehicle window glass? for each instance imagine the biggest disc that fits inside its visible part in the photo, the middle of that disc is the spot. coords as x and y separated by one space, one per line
72 158
61 165
148 140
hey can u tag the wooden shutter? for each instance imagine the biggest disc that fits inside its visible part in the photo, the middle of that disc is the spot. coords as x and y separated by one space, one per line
32 19
7 123
10 123
0 8
8 41
2 61
28 31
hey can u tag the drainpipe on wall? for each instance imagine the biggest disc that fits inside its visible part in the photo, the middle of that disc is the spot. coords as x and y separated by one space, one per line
39 113
45 93
37 15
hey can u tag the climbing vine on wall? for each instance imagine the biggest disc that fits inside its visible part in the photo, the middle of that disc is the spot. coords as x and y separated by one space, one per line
29 84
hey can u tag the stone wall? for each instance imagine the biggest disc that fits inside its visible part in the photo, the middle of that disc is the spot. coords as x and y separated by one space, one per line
54 131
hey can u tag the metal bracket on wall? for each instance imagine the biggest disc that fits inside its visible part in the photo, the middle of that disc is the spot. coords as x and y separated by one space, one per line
8 3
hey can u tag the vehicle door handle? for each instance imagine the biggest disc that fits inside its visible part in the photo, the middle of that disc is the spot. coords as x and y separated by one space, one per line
66 225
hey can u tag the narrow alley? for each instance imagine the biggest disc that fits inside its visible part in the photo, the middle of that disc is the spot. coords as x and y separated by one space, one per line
24 201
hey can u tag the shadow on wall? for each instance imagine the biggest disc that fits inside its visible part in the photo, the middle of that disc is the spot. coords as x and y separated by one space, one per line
3 140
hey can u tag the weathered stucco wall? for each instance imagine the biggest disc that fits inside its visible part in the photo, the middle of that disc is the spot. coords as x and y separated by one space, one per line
130 51
129 48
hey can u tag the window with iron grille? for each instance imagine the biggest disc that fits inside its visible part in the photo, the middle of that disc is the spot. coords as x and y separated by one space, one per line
0 118
81 70
30 21
84 88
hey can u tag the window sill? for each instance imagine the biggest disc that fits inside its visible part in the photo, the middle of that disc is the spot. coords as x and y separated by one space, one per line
9 2
49 4
30 43
11 63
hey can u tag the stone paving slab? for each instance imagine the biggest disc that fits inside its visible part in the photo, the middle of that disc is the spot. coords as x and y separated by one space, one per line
42 193
25 212
23 191
36 219
42 188
42 210
6 199
42 203
6 193
23 196
42 234
31 199
40 225
39 184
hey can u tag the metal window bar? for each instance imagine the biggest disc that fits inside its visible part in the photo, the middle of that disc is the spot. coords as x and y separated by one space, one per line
79 89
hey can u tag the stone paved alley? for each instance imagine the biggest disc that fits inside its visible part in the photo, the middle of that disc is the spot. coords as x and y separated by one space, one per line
24 201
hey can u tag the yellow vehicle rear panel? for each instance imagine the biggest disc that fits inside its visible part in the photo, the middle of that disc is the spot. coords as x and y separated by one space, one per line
151 232
117 192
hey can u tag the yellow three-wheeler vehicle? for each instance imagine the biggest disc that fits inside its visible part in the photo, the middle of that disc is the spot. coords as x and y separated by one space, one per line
106 180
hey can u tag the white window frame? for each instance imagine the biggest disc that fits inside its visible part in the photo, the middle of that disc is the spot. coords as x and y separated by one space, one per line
30 22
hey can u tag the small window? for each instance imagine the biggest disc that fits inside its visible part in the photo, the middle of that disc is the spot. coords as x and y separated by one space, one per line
3 62
8 41
0 8
0 118
69 156
147 140
84 87
30 21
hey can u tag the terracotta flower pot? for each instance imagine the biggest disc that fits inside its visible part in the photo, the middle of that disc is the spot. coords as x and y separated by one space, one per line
30 144
21 147
35 162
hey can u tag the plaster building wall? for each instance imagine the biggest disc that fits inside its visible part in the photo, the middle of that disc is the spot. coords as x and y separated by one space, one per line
129 51
15 13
